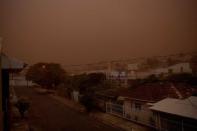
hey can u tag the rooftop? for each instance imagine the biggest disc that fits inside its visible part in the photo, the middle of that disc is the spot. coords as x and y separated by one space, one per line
11 63
184 108
153 92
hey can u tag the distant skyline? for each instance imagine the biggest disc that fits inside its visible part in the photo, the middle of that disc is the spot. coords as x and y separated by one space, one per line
88 31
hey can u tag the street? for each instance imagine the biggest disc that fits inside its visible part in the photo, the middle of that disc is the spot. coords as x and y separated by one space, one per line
47 114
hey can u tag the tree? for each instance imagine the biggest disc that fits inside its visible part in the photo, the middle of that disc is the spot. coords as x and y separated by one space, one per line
47 75
88 101
88 84
193 64
170 61
152 62
190 79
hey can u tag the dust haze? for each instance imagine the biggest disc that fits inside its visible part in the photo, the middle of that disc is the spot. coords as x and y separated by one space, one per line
83 31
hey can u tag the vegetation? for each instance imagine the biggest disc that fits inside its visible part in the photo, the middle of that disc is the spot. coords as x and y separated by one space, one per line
170 61
152 62
193 64
87 85
47 75
88 101
88 82
190 79
22 105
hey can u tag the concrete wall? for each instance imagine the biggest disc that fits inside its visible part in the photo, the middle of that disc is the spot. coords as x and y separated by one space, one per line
142 115
129 112
20 81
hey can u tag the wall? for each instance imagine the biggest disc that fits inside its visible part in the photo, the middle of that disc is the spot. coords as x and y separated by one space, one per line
176 123
129 112
20 81
142 115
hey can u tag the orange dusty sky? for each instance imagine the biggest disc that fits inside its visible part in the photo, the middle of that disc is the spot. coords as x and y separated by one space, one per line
84 31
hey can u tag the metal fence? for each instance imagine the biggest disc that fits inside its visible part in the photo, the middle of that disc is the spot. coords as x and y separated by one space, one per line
119 110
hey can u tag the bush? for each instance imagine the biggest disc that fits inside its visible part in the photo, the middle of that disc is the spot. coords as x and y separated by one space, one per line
22 105
88 101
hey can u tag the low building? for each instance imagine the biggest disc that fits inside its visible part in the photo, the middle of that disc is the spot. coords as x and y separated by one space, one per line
134 104
173 69
175 114
118 78
9 66
19 79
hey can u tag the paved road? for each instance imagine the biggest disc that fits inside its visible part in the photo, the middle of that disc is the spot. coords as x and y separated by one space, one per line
47 114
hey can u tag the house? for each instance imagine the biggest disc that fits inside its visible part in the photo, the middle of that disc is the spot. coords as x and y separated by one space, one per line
132 70
175 114
102 97
119 78
19 79
134 104
173 69
8 67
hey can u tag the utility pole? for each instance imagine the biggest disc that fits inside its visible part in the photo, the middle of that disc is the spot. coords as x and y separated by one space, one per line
1 101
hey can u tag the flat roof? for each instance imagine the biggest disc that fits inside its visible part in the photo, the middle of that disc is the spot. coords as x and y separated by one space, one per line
184 108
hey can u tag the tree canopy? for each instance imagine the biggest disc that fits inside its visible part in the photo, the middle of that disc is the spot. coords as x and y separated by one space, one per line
193 63
48 75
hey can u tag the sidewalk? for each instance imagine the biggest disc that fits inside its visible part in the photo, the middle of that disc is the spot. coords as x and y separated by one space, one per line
118 122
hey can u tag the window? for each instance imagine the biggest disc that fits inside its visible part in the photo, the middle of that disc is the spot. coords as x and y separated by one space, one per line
138 106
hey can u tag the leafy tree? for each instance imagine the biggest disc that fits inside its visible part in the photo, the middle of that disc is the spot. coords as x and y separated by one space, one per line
88 101
183 78
170 61
47 75
88 84
193 64
152 62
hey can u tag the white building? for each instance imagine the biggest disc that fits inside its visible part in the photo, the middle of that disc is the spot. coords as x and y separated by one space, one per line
176 114
20 80
174 69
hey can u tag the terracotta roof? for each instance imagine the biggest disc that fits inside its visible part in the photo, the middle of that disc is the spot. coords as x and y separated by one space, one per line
148 92
153 92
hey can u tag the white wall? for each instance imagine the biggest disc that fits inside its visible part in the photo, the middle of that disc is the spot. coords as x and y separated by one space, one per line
20 81
177 68
143 115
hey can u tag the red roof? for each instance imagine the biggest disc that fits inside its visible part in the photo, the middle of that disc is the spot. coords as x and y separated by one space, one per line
155 92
